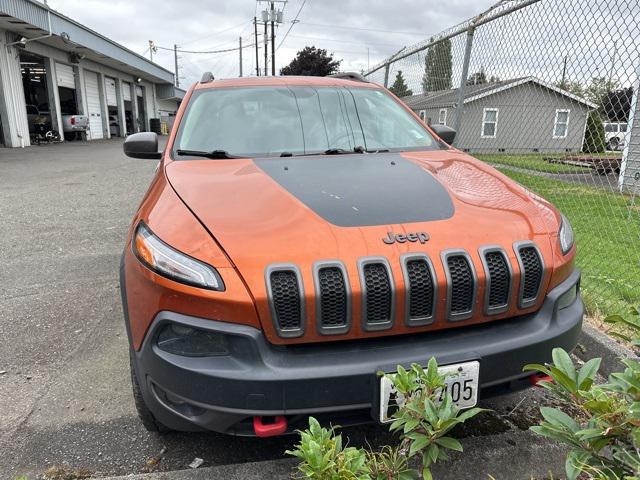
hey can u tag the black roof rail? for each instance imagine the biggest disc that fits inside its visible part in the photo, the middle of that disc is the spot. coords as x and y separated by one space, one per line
356 77
207 77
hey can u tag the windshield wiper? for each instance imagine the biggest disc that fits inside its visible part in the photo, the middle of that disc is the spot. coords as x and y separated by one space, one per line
212 154
343 151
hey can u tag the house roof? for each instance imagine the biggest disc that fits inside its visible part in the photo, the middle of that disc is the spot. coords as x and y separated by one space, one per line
449 98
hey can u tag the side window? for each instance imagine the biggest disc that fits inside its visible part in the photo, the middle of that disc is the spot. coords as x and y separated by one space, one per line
442 116
610 128
489 123
422 115
623 127
561 124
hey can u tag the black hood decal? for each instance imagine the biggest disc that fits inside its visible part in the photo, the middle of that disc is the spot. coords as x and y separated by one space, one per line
362 189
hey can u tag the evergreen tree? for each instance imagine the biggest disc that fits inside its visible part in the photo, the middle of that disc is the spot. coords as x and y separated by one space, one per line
437 67
399 87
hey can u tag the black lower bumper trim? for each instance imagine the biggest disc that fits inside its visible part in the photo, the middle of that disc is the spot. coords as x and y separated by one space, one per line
338 378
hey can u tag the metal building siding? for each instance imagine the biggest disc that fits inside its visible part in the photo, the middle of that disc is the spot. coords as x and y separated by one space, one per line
110 89
16 127
65 76
92 86
35 13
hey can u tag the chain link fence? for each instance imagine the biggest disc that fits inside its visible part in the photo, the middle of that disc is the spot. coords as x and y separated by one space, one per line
546 91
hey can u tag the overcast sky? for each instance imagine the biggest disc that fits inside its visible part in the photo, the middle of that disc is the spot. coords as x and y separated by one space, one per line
360 32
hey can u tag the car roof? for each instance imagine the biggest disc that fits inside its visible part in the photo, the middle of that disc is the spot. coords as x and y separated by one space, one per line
285 81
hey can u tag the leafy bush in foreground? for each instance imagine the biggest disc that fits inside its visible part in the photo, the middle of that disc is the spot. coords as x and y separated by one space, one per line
423 422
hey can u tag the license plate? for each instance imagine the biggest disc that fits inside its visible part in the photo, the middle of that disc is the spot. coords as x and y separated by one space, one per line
461 381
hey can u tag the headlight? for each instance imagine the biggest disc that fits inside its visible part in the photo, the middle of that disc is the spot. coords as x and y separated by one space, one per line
168 262
566 235
191 342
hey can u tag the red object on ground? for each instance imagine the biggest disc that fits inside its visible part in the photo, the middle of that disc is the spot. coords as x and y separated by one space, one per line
265 430
536 379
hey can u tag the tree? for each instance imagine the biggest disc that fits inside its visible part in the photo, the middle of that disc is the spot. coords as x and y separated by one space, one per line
594 136
616 105
399 87
598 89
477 78
571 87
437 67
312 61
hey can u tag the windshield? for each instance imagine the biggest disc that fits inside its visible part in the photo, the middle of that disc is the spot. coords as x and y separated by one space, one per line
270 121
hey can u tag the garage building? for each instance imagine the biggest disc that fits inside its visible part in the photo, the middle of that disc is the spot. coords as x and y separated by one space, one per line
52 67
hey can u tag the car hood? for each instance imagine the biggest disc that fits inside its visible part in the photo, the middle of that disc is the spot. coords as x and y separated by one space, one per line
300 210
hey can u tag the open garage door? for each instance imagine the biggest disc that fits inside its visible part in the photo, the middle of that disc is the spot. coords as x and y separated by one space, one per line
66 81
112 105
128 106
93 104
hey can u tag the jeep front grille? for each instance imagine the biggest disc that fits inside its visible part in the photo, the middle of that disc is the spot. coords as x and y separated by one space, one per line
532 271
461 284
332 298
420 283
285 292
498 280
377 294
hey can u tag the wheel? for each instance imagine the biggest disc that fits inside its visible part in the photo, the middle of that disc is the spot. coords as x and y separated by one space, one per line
613 144
144 414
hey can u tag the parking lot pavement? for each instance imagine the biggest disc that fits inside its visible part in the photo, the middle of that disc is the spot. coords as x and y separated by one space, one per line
65 396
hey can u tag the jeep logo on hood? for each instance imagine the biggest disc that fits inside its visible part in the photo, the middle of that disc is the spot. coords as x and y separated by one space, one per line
412 237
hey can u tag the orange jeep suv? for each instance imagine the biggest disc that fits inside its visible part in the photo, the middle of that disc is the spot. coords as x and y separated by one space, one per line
303 234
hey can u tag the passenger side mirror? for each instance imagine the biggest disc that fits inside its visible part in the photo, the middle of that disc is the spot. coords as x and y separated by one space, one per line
447 134
142 145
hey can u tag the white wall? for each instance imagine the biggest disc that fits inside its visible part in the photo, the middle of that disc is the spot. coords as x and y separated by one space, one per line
14 113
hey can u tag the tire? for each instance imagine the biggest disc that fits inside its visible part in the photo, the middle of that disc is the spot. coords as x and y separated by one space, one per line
144 414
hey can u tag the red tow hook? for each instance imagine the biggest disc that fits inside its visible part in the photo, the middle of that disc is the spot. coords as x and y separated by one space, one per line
536 378
265 430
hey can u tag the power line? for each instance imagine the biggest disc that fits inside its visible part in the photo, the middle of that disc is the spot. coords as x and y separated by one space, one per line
293 22
343 41
206 51
345 27
217 33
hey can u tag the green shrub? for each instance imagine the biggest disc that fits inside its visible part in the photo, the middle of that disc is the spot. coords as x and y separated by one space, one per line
594 135
423 422
602 426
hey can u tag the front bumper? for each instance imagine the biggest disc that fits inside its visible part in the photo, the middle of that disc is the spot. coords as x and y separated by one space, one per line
335 380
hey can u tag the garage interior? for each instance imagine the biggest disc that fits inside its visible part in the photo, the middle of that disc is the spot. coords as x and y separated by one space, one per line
36 95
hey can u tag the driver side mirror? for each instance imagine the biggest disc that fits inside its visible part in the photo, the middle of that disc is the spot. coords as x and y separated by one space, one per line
142 145
447 134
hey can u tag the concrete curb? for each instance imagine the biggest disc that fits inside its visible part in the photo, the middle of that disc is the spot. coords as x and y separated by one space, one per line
594 343
516 455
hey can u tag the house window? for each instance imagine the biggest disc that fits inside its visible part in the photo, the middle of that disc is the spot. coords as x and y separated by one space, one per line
561 125
442 116
422 115
489 123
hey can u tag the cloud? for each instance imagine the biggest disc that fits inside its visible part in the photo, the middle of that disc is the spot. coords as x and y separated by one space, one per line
359 32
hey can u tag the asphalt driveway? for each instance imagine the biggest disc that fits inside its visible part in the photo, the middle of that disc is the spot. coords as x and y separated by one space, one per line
65 396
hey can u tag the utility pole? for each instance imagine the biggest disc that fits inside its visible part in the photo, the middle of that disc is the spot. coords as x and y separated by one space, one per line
613 63
564 73
255 41
175 58
273 39
266 49
152 48
240 50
